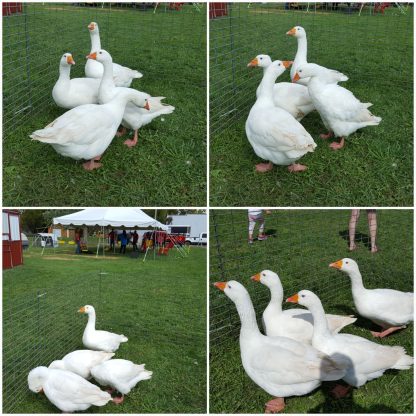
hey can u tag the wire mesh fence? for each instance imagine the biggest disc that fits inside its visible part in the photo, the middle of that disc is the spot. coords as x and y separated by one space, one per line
43 326
35 35
369 44
300 245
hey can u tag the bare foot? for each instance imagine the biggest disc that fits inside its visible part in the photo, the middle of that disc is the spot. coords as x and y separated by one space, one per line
296 167
276 405
337 146
264 167
353 246
386 331
121 132
374 249
91 165
118 400
340 391
326 136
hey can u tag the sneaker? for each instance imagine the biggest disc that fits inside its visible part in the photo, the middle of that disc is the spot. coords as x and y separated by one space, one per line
262 237
250 241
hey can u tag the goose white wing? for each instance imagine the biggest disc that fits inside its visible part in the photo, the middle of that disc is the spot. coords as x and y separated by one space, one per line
70 392
277 131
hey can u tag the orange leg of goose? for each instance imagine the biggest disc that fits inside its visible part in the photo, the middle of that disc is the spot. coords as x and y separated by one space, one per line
91 164
387 331
340 391
121 132
118 400
296 167
133 142
264 167
275 406
326 136
337 146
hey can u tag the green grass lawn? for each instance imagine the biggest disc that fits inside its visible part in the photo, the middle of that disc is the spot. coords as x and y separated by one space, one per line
159 305
374 51
168 165
301 246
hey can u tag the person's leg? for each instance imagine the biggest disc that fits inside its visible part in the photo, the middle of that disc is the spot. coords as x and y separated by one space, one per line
251 225
355 214
372 226
261 235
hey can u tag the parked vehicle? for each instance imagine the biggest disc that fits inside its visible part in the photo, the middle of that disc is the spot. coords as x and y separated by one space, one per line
201 239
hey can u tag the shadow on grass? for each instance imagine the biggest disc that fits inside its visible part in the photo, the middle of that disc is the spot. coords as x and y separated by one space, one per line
339 395
345 404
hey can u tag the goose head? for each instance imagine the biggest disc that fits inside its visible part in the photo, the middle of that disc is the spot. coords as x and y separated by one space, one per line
278 67
234 290
305 298
67 60
307 71
93 28
297 32
267 278
346 265
262 61
36 378
88 309
100 56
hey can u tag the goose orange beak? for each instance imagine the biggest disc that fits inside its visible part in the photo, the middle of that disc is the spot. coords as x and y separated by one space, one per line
81 310
92 55
336 264
255 278
91 26
296 77
293 299
220 285
70 60
287 64
291 32
254 62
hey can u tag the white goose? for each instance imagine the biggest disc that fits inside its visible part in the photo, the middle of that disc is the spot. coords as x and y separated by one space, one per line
341 112
134 117
99 340
123 76
281 366
69 93
301 54
391 309
67 391
292 323
294 98
86 131
275 134
121 375
80 362
364 360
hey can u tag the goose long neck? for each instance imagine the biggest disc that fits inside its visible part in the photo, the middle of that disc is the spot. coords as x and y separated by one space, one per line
276 299
95 42
320 324
302 52
247 315
64 73
108 73
356 281
91 321
265 88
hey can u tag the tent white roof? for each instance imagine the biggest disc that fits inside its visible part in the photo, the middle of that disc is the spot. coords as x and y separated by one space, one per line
110 217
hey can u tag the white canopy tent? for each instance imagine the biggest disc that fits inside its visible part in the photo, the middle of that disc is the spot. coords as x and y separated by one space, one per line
129 218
